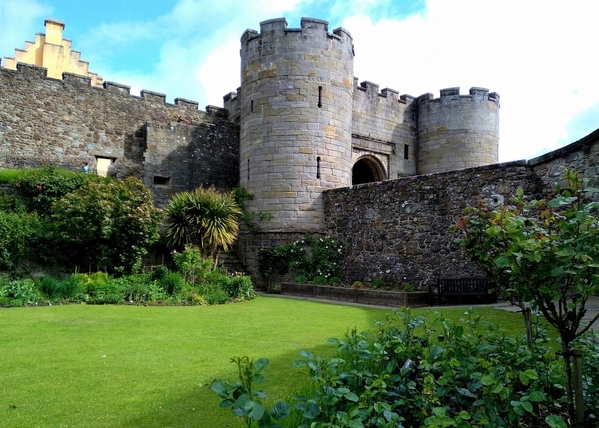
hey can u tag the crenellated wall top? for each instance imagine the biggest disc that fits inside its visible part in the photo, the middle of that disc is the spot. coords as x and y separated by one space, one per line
371 91
110 87
275 28
449 94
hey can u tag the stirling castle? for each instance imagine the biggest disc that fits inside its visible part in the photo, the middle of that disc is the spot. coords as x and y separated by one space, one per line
321 152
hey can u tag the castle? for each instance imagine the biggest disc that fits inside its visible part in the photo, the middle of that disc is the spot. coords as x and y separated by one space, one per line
384 172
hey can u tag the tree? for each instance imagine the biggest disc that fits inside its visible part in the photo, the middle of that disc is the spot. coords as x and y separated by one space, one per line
203 217
545 252
107 222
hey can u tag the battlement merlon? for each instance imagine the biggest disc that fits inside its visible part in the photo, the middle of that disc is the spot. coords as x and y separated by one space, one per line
278 27
391 95
114 88
454 93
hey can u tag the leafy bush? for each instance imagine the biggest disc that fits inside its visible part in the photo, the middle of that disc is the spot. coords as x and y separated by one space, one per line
108 223
309 257
172 283
20 292
335 280
42 187
51 288
412 372
301 279
377 283
159 273
319 280
192 265
17 238
213 294
240 287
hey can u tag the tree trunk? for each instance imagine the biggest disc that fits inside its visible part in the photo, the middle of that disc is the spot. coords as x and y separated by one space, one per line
567 356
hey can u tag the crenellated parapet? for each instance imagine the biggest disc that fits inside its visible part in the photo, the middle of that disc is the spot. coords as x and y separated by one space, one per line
112 88
274 28
452 94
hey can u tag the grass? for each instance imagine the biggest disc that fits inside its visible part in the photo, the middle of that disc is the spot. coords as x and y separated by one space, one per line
129 366
8 174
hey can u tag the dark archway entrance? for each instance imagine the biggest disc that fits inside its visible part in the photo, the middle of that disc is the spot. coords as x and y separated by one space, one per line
367 170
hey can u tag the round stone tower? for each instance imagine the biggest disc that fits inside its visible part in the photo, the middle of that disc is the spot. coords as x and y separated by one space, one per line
457 131
295 118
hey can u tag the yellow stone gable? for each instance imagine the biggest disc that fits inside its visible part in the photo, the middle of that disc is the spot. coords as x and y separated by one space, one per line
53 52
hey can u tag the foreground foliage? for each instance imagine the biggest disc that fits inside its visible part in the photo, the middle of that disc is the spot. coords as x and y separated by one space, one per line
412 372
545 252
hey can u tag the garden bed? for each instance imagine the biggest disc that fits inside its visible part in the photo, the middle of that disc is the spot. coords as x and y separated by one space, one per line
412 299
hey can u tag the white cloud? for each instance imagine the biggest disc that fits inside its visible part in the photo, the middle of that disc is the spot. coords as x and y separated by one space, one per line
540 57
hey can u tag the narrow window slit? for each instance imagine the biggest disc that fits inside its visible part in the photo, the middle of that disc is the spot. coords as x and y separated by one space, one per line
319 96
406 151
248 170
318 167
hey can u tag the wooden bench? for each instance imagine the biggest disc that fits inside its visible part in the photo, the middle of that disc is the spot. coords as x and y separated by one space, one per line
461 291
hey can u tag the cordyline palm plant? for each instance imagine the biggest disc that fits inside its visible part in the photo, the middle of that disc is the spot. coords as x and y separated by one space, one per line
203 217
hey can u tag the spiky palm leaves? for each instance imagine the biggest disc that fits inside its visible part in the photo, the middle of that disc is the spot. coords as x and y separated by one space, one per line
203 217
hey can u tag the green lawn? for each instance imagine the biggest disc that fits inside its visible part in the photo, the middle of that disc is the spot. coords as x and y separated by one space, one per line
135 366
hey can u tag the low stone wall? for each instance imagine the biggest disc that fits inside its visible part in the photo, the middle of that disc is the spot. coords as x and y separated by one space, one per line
394 299
399 230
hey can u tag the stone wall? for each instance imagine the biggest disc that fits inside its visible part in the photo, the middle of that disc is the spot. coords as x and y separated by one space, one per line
383 124
398 230
181 157
67 122
582 156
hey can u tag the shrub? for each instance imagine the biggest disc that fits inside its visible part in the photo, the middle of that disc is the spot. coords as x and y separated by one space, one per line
335 280
408 287
301 279
17 238
192 265
241 288
20 292
51 287
159 273
172 283
213 294
319 280
357 284
377 283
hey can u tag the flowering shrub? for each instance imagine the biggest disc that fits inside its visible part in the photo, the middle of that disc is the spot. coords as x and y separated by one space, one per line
311 258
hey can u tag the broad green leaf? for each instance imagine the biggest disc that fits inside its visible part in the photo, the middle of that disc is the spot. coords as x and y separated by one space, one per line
351 396
466 392
527 405
280 410
256 410
488 380
260 365
536 396
436 351
555 421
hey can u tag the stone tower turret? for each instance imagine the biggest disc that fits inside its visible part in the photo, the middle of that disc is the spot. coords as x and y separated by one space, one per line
296 115
457 131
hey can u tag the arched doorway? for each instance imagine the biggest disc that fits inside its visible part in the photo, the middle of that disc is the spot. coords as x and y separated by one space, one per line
367 170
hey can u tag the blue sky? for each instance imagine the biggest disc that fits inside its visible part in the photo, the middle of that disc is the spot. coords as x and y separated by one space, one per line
541 56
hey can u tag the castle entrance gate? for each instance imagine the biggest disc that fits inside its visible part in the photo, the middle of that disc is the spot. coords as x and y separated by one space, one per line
368 169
